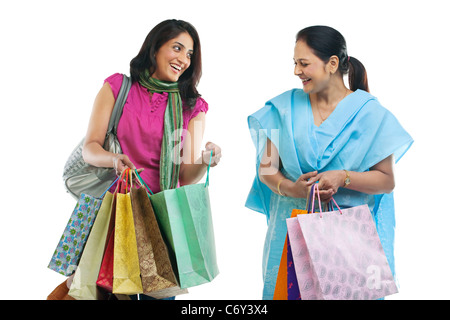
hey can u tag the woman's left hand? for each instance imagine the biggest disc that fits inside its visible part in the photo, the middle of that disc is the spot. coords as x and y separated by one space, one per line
206 154
329 181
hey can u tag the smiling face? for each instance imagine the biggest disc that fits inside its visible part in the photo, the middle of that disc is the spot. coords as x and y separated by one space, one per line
174 57
312 71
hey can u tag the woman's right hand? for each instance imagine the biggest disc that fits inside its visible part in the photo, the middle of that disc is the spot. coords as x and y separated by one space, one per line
122 162
300 188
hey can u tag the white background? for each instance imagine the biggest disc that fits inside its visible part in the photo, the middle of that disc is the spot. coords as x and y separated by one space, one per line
55 55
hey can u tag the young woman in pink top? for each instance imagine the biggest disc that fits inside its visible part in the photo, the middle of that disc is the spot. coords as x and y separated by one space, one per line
170 54
162 124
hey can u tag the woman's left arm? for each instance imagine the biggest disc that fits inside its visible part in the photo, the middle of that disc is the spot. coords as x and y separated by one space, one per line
194 160
379 179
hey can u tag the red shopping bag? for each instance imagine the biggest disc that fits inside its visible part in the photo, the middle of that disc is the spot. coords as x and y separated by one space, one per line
105 275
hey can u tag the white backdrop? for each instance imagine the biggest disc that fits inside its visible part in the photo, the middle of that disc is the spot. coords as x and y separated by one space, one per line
55 55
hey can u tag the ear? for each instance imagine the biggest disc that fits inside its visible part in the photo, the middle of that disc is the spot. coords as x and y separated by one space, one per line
333 64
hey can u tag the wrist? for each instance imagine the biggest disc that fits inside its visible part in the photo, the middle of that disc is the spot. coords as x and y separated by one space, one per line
114 159
279 188
205 161
287 188
346 178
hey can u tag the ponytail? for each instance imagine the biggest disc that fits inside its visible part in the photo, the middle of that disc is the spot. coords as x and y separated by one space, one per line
357 75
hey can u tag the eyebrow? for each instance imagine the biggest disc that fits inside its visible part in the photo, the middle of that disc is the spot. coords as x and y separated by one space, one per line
183 46
300 59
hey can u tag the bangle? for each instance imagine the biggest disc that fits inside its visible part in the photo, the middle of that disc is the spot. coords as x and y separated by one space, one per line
278 187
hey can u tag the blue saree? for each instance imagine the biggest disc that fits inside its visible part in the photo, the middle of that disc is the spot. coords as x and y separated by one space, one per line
357 135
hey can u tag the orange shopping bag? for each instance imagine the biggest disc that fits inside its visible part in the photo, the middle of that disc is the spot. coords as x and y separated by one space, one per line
281 286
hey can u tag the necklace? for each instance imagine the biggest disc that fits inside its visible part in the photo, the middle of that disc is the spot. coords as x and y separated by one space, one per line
333 107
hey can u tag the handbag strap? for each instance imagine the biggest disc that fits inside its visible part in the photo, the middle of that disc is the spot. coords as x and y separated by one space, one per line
119 104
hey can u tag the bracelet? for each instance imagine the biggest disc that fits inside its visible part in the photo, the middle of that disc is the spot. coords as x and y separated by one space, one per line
347 179
278 187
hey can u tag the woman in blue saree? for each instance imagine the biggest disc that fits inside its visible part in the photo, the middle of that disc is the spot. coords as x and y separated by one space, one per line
342 138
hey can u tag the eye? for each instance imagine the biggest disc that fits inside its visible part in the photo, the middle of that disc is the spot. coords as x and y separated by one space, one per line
301 63
189 55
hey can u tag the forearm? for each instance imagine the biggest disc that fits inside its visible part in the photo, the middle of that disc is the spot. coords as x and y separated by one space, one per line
370 182
95 155
281 185
192 173
272 180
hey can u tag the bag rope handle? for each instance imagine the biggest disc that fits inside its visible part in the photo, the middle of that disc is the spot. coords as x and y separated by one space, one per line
148 188
316 192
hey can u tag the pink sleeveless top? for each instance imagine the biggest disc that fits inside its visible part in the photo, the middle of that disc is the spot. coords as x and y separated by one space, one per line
141 127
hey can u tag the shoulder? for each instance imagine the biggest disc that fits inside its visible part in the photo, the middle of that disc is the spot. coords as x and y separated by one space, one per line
116 77
374 114
200 106
115 82
281 103
371 104
286 97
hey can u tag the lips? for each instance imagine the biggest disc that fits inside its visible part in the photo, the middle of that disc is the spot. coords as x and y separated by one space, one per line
175 67
306 81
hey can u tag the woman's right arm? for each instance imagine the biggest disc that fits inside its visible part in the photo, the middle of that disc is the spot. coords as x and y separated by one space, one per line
93 152
270 174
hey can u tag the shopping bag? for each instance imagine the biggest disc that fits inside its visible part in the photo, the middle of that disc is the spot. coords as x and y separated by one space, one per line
293 292
105 275
126 271
308 285
61 292
71 244
184 216
282 285
347 259
158 277
286 287
84 285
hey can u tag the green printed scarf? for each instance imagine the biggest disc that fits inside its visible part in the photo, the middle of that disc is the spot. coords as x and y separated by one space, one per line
169 163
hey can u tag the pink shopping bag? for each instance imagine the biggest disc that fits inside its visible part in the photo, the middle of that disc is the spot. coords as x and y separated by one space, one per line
346 259
307 281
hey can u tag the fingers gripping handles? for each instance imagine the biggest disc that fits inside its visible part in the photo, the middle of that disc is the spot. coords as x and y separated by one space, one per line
315 193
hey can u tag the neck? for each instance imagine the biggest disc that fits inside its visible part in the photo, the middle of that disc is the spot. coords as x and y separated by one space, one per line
330 96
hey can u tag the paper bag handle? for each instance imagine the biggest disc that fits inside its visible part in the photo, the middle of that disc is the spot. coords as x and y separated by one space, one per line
316 192
103 194
142 181
148 188
207 171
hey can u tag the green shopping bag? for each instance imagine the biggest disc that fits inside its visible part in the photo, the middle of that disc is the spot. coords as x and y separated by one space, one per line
184 217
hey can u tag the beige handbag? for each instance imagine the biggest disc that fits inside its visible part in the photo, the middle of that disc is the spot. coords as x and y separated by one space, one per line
80 176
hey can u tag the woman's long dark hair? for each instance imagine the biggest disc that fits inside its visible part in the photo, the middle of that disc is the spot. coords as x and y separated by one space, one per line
160 34
326 42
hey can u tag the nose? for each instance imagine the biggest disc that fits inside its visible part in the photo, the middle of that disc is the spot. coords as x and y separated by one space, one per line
298 69
183 59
